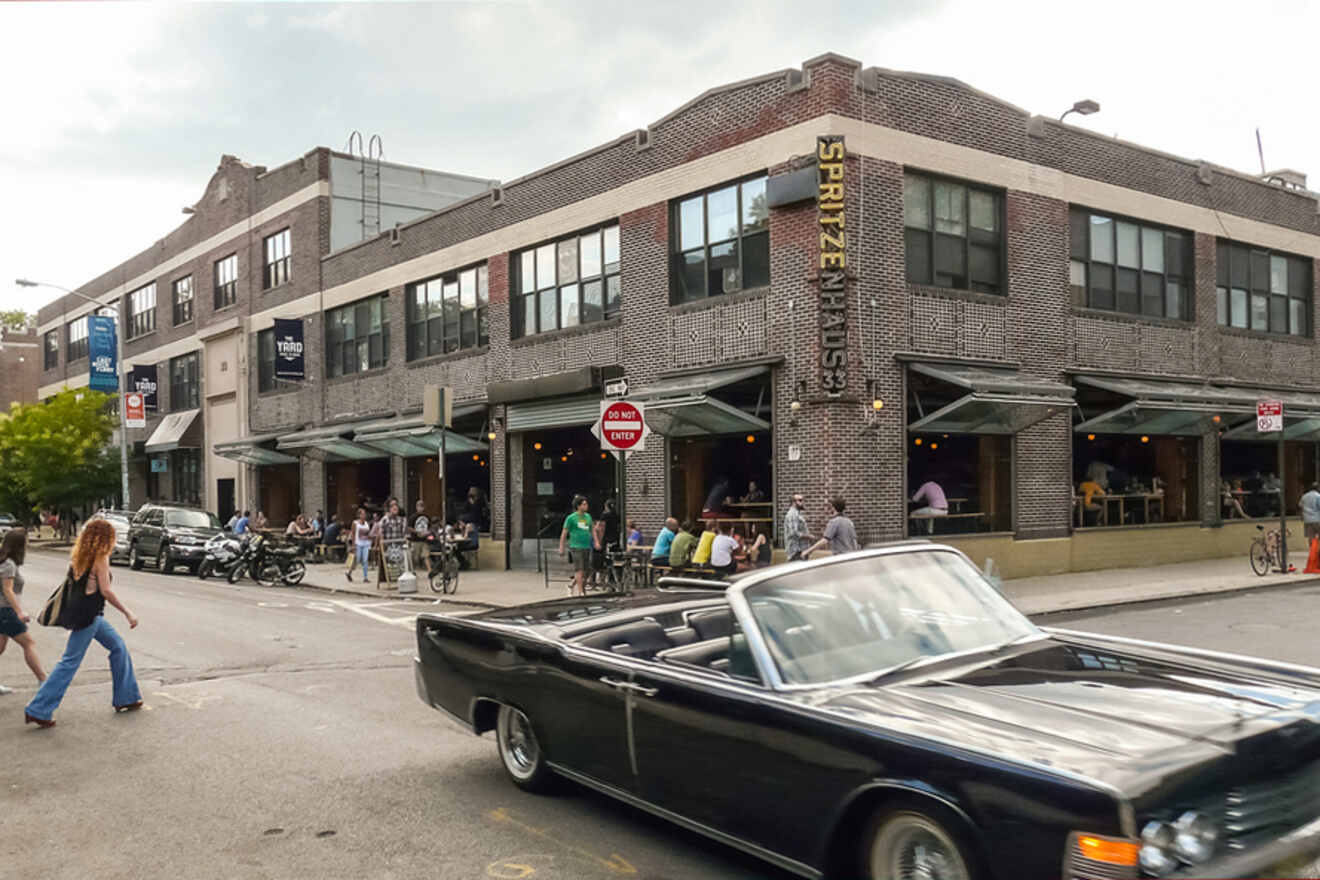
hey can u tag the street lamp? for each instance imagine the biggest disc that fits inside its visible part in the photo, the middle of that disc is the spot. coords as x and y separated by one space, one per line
119 382
1084 107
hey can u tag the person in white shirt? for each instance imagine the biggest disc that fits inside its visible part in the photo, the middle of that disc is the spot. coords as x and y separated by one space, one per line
1310 507
721 552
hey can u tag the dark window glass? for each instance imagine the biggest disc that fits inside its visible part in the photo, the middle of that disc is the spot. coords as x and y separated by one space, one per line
185 392
1221 301
1127 266
1278 314
1260 271
357 337
226 281
447 313
277 253
52 350
721 242
564 281
142 311
917 244
1268 291
1152 295
953 234
1129 299
183 300
1102 286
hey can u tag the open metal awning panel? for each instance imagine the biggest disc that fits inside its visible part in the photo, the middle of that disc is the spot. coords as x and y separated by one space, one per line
1158 418
253 450
682 406
1294 428
411 438
697 384
1187 408
169 433
331 443
1000 401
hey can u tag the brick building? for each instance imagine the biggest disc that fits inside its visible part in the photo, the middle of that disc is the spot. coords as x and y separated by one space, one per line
20 365
1027 313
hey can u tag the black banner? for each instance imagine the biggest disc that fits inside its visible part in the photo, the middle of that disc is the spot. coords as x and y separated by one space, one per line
289 349
143 380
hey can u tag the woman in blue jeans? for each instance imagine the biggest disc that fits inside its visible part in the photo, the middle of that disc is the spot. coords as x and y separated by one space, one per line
90 565
360 535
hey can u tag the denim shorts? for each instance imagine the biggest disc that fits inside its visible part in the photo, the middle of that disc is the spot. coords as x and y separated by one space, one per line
10 625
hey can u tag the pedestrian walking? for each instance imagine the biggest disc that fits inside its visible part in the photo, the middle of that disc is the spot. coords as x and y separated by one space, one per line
840 534
360 531
419 526
90 569
1310 505
577 534
13 621
797 536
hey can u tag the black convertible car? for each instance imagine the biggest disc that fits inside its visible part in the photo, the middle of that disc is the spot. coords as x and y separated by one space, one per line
888 714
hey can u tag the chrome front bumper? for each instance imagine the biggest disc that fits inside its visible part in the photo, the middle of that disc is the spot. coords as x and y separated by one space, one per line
1295 854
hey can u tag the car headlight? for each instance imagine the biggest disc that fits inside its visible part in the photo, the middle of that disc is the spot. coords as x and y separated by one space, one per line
1157 856
1194 837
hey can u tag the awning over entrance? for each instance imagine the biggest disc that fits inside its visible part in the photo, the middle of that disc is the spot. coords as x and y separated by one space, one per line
998 401
332 443
411 438
683 407
169 433
253 450
1187 408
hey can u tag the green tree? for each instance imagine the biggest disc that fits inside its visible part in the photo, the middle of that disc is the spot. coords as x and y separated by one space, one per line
15 319
56 454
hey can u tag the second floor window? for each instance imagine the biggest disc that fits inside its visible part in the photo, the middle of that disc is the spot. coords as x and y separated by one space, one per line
953 234
183 300
357 337
1122 266
721 242
266 380
184 384
1262 290
276 249
142 311
568 282
448 313
52 350
226 281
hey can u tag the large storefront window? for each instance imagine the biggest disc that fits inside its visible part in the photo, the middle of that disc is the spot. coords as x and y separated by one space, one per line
448 313
357 337
353 484
186 465
1122 266
1250 482
1262 290
566 283
721 241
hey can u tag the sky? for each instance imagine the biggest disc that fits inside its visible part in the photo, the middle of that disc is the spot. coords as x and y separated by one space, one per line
115 115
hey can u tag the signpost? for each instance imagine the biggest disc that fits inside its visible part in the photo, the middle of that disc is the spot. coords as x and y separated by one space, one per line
1269 420
136 408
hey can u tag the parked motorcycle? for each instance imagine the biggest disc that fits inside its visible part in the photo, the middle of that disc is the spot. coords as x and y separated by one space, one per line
266 564
222 552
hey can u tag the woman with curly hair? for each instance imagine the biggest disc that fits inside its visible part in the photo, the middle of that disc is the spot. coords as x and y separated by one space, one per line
90 569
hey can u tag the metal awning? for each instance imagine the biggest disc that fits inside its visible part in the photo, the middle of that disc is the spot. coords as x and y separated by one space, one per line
169 433
411 438
1188 408
682 406
559 413
253 450
331 443
999 400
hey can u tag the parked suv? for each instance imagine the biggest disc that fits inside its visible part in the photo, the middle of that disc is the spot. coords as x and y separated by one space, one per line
171 536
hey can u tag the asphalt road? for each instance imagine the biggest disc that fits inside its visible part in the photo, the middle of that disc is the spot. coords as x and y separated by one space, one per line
283 739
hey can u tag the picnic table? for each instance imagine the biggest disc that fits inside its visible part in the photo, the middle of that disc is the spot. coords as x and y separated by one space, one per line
1145 499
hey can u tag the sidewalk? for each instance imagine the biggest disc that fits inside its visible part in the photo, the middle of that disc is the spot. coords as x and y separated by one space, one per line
1034 596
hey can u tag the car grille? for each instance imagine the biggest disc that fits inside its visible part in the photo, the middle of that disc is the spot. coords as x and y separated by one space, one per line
1267 809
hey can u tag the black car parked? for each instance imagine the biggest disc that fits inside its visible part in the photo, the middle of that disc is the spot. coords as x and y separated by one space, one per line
171 536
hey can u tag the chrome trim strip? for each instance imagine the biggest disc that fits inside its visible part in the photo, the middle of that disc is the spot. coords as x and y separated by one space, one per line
757 850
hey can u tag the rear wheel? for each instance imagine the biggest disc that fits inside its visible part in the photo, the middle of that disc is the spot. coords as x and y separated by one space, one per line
907 844
204 570
235 573
1260 557
520 752
294 573
134 558
268 575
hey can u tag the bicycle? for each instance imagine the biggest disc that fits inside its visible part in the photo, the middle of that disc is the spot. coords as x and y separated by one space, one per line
1264 551
443 558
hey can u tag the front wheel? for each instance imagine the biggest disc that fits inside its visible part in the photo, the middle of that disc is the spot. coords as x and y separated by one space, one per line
134 558
520 752
204 570
294 573
1260 557
235 572
906 844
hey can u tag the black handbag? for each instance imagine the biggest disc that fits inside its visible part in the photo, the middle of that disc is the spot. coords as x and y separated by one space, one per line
61 609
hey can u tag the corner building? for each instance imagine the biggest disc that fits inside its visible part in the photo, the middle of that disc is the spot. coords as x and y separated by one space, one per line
1065 333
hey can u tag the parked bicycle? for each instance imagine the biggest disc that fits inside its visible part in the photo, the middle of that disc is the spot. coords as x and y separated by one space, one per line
1265 552
443 559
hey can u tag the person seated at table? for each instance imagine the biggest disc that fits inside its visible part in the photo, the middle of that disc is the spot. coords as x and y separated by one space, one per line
756 556
260 522
716 499
1232 503
634 538
317 523
1090 490
1119 481
722 549
682 546
754 494
701 556
664 542
1098 472
467 539
297 527
936 503
333 529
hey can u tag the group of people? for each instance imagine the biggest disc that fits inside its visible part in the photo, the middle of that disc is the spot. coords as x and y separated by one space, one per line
1250 496
720 500
83 615
419 531
1102 479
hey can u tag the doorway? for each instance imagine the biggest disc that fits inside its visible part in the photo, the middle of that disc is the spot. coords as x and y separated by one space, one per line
224 495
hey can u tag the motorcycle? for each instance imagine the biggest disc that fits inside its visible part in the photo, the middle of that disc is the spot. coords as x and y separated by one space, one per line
265 564
221 553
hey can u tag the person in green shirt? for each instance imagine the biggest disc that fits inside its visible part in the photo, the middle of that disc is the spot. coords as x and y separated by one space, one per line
680 551
577 535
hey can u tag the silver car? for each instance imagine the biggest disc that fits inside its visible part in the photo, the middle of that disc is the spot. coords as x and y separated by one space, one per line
120 520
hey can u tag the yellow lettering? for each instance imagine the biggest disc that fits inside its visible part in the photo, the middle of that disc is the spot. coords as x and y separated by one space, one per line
828 241
831 206
828 151
832 220
832 260
833 170
831 191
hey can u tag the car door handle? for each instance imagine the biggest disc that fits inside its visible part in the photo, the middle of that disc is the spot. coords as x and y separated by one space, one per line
629 686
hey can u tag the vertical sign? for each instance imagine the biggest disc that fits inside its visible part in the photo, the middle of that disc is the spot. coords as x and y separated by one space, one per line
1269 416
833 265
289 349
142 379
135 410
101 353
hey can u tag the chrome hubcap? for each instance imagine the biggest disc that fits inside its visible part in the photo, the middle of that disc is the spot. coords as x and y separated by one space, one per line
911 847
521 752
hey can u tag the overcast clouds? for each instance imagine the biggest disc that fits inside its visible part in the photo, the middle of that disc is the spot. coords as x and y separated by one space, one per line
115 114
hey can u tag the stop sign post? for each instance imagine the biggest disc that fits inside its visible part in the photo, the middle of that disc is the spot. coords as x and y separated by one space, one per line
622 426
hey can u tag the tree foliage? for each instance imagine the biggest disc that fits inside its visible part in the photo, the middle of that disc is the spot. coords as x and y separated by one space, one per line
15 319
56 454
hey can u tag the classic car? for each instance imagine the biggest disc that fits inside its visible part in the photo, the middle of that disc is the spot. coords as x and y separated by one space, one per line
889 714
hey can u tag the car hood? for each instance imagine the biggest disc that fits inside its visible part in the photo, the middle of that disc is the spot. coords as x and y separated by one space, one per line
1124 719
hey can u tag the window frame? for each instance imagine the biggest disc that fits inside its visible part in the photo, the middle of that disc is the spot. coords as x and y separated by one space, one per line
266 381
276 258
50 341
611 303
225 292
678 254
141 316
187 386
76 349
1226 285
1085 298
336 348
421 323
932 232
182 308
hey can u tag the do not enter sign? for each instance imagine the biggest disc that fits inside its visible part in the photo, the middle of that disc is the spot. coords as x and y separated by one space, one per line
622 426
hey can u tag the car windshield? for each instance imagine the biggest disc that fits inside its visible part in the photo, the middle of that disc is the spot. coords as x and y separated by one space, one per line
873 613
196 519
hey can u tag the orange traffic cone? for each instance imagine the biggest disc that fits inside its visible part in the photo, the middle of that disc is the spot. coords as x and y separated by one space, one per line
1313 560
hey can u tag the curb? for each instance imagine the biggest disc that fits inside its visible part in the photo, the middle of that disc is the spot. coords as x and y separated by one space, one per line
395 595
1179 596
